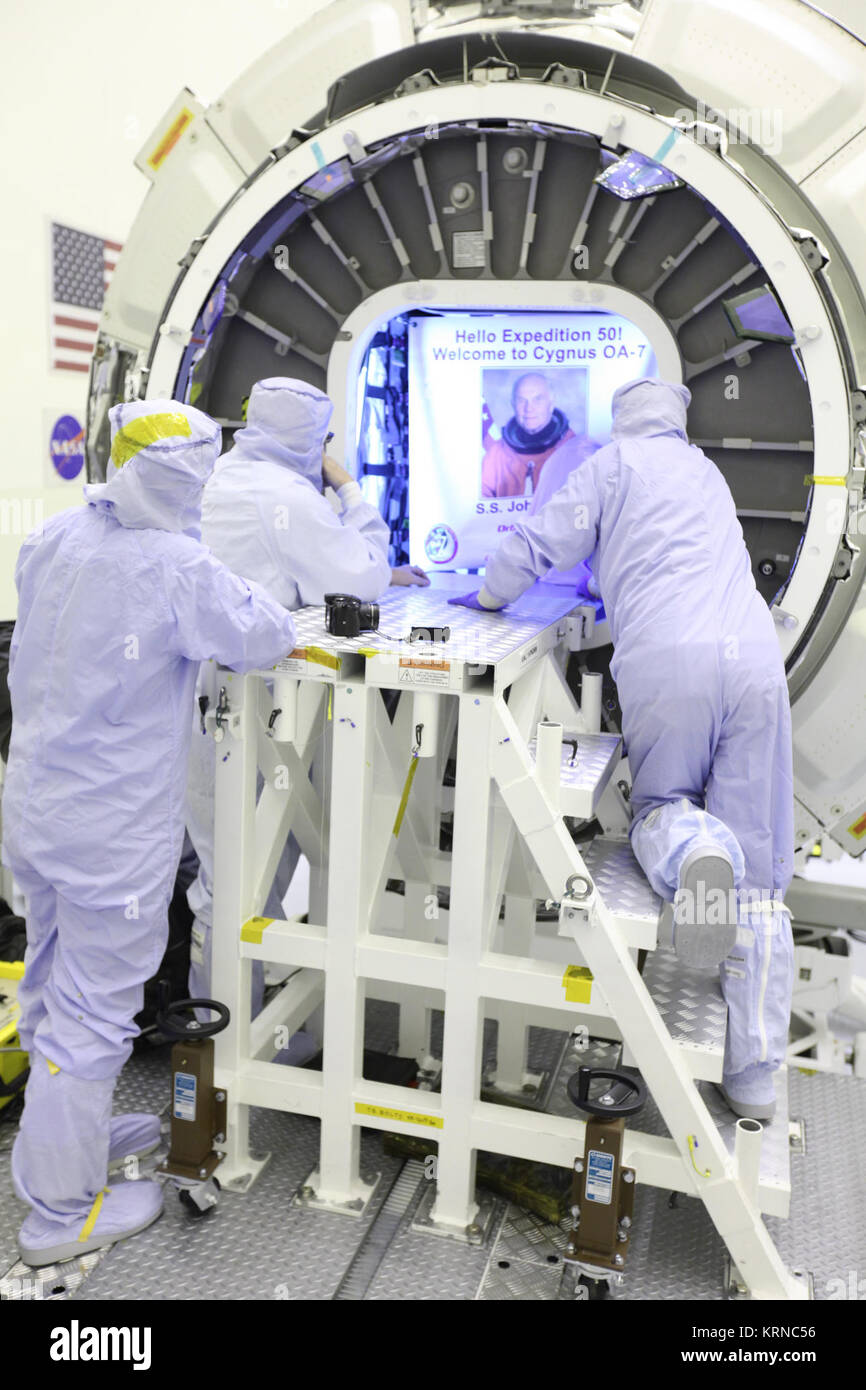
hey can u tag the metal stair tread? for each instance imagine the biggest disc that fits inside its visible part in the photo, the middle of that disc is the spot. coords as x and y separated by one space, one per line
692 1009
583 779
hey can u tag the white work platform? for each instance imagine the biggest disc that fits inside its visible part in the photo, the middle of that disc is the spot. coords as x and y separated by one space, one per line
351 741
588 762
505 641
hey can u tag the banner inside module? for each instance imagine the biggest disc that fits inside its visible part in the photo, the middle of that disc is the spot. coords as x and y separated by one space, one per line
502 407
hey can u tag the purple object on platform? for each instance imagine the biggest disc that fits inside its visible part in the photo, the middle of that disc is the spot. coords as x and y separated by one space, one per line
471 601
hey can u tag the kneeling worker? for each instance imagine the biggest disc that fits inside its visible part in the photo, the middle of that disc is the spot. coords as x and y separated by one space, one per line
118 603
706 719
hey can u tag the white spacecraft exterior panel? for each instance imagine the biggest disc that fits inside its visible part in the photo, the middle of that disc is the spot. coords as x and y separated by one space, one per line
226 142
261 107
779 56
838 190
776 57
197 177
829 743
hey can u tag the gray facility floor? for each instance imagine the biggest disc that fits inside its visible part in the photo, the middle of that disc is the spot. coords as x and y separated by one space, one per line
261 1247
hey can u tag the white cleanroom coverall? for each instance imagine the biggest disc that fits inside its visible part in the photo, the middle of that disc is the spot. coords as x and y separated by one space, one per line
118 603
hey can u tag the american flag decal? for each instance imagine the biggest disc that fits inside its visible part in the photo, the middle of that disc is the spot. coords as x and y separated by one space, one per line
81 270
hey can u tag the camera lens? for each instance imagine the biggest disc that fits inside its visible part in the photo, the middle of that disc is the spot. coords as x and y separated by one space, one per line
368 615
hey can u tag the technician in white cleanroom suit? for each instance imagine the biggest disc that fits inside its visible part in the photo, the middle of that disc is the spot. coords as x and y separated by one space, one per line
118 604
265 516
706 719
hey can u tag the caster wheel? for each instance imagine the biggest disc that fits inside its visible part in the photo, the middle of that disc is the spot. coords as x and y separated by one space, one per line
201 1199
596 1289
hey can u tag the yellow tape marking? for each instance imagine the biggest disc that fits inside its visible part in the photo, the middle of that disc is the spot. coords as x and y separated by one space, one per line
147 429
254 928
404 799
323 658
11 970
92 1215
701 1172
577 983
406 1117
825 478
171 137
367 651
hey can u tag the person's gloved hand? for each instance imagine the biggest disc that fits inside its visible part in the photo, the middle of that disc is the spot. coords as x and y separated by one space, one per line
333 473
471 601
409 574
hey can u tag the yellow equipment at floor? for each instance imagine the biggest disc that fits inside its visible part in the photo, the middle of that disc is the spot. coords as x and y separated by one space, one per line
13 1064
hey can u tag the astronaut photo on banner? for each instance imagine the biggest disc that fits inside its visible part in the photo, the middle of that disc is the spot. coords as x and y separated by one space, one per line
533 424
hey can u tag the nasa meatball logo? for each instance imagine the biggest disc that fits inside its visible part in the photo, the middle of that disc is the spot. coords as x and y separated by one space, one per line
440 545
67 447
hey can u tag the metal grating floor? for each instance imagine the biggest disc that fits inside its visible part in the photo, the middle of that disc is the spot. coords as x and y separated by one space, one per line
260 1247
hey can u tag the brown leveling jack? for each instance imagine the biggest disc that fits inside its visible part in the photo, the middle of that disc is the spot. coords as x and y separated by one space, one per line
602 1194
198 1109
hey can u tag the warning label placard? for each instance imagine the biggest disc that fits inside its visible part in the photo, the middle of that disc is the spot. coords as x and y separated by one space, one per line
418 671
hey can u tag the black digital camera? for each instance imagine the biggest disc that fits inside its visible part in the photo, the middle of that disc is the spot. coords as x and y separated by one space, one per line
347 616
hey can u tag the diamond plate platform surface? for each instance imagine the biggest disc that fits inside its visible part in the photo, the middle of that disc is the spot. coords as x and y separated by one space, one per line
775 1144
582 778
252 1247
620 879
826 1232
675 1252
690 1003
475 637
525 1263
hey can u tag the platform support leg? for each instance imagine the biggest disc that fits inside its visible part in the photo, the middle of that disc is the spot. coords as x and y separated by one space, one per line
234 870
421 912
338 1184
512 1039
455 1206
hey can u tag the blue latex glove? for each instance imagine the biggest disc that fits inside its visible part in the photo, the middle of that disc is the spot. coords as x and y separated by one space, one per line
471 601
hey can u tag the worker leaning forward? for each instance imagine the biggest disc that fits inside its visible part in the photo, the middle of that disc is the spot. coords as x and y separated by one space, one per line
706 719
118 603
